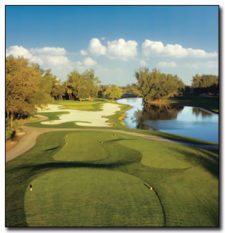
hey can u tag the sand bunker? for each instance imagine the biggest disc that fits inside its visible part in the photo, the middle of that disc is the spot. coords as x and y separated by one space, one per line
82 118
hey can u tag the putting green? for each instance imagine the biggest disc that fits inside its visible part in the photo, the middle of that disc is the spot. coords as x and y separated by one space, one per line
91 197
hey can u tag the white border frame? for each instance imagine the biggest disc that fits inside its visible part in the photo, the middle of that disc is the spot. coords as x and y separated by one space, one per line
3 3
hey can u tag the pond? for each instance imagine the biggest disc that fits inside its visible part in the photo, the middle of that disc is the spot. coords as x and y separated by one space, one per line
182 120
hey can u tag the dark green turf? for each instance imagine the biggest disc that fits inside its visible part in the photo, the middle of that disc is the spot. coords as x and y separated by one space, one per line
184 181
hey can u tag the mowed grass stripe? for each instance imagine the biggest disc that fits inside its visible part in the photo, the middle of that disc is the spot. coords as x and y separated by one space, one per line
78 148
91 197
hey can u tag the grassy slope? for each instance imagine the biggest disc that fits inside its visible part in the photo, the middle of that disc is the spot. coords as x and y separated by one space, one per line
186 181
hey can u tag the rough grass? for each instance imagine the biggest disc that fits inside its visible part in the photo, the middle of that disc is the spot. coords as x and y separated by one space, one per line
184 181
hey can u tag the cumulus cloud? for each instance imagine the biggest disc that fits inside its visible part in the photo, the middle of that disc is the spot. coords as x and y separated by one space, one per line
96 47
122 49
88 61
151 48
47 56
116 49
170 64
20 51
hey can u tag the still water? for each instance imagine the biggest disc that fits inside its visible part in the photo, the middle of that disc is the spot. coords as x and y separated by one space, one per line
182 120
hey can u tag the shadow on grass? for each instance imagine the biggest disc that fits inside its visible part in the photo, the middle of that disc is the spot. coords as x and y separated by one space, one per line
205 159
59 165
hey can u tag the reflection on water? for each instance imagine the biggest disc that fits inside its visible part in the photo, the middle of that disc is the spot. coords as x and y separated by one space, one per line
201 112
183 120
163 112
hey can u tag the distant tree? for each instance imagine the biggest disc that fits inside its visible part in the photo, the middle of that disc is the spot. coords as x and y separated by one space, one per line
132 88
155 85
82 86
58 90
112 92
92 84
208 84
43 95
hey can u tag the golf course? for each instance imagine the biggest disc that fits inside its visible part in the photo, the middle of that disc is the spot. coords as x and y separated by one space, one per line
112 117
102 174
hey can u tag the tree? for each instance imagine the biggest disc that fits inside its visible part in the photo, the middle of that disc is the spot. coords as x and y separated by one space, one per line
22 85
43 95
82 86
208 84
112 92
58 90
155 85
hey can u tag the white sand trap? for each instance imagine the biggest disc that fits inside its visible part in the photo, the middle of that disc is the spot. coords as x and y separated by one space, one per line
82 118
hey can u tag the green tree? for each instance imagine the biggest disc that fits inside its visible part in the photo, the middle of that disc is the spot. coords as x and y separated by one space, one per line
155 85
22 85
83 86
208 84
58 90
112 92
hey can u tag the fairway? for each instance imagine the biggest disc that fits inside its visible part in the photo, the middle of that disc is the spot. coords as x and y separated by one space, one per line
111 179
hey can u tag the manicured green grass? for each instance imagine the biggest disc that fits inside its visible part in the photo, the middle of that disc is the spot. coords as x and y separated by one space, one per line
110 185
95 105
52 116
76 149
91 196
210 103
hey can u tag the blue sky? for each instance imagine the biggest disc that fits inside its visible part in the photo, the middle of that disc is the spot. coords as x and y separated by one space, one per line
115 41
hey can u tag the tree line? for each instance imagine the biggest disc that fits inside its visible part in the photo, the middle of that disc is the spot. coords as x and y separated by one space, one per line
205 84
29 86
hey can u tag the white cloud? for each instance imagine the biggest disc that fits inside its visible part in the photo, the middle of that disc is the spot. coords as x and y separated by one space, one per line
96 47
83 52
88 61
47 57
150 48
122 49
18 51
170 64
116 49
